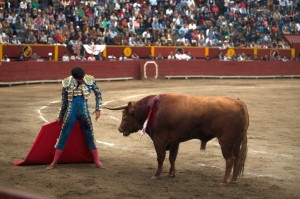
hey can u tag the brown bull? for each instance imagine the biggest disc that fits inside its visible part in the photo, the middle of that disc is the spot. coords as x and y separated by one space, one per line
176 118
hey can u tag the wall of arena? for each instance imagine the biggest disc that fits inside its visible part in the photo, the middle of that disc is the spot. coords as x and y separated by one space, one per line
14 51
42 70
51 71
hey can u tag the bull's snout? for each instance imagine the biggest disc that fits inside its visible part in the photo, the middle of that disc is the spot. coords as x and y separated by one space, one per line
124 131
120 130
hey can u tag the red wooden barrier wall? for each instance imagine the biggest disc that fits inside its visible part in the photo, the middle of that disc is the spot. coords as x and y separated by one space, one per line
31 71
219 68
141 69
14 51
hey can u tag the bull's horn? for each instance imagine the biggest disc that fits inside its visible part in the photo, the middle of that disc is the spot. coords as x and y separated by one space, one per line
115 108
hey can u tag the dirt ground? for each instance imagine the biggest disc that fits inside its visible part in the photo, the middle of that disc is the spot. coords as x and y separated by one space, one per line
272 166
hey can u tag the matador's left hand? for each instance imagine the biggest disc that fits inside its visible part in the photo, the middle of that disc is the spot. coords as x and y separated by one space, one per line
97 113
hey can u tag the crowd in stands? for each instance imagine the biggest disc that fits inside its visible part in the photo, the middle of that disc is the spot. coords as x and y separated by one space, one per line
220 23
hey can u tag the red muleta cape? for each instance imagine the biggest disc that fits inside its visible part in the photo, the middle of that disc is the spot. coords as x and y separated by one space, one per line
42 150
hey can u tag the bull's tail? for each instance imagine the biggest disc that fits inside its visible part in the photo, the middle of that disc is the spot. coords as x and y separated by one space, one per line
242 156
243 147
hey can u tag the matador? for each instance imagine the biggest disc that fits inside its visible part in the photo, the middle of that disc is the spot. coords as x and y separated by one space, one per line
76 89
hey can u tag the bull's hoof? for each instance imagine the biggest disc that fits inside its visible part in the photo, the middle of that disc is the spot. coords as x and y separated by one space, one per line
203 146
171 175
155 177
224 182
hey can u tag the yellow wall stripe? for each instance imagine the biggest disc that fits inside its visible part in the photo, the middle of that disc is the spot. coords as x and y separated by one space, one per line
152 51
56 53
293 53
1 52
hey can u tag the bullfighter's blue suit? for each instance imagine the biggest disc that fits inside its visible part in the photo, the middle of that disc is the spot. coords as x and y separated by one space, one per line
75 106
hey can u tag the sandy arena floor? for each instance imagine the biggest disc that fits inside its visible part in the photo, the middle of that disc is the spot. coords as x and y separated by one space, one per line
272 166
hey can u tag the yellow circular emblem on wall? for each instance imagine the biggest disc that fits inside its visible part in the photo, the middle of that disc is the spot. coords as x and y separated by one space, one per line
127 51
27 51
230 52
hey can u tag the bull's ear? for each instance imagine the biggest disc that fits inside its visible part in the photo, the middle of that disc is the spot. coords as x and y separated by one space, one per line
131 107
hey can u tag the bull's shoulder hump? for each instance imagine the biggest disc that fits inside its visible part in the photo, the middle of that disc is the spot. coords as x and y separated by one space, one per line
191 97
198 98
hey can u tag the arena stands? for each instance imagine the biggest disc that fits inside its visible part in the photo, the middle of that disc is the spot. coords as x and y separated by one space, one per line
240 23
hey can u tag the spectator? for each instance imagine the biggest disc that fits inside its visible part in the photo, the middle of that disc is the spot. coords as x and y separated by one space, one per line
75 57
31 39
158 42
35 56
186 42
265 58
227 57
220 56
150 57
131 28
122 57
99 57
192 26
179 55
285 59
50 56
113 33
15 40
65 4
111 57
210 35
241 57
159 57
2 33
23 6
146 35
132 41
107 37
91 57
137 26
135 56
9 6
4 40
171 56
169 12
189 56
58 37
61 16
65 57
155 25
77 19
21 57
183 31
140 42
153 3
5 59
282 4
50 41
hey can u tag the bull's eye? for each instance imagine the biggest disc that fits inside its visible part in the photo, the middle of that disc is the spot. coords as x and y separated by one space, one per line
123 116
